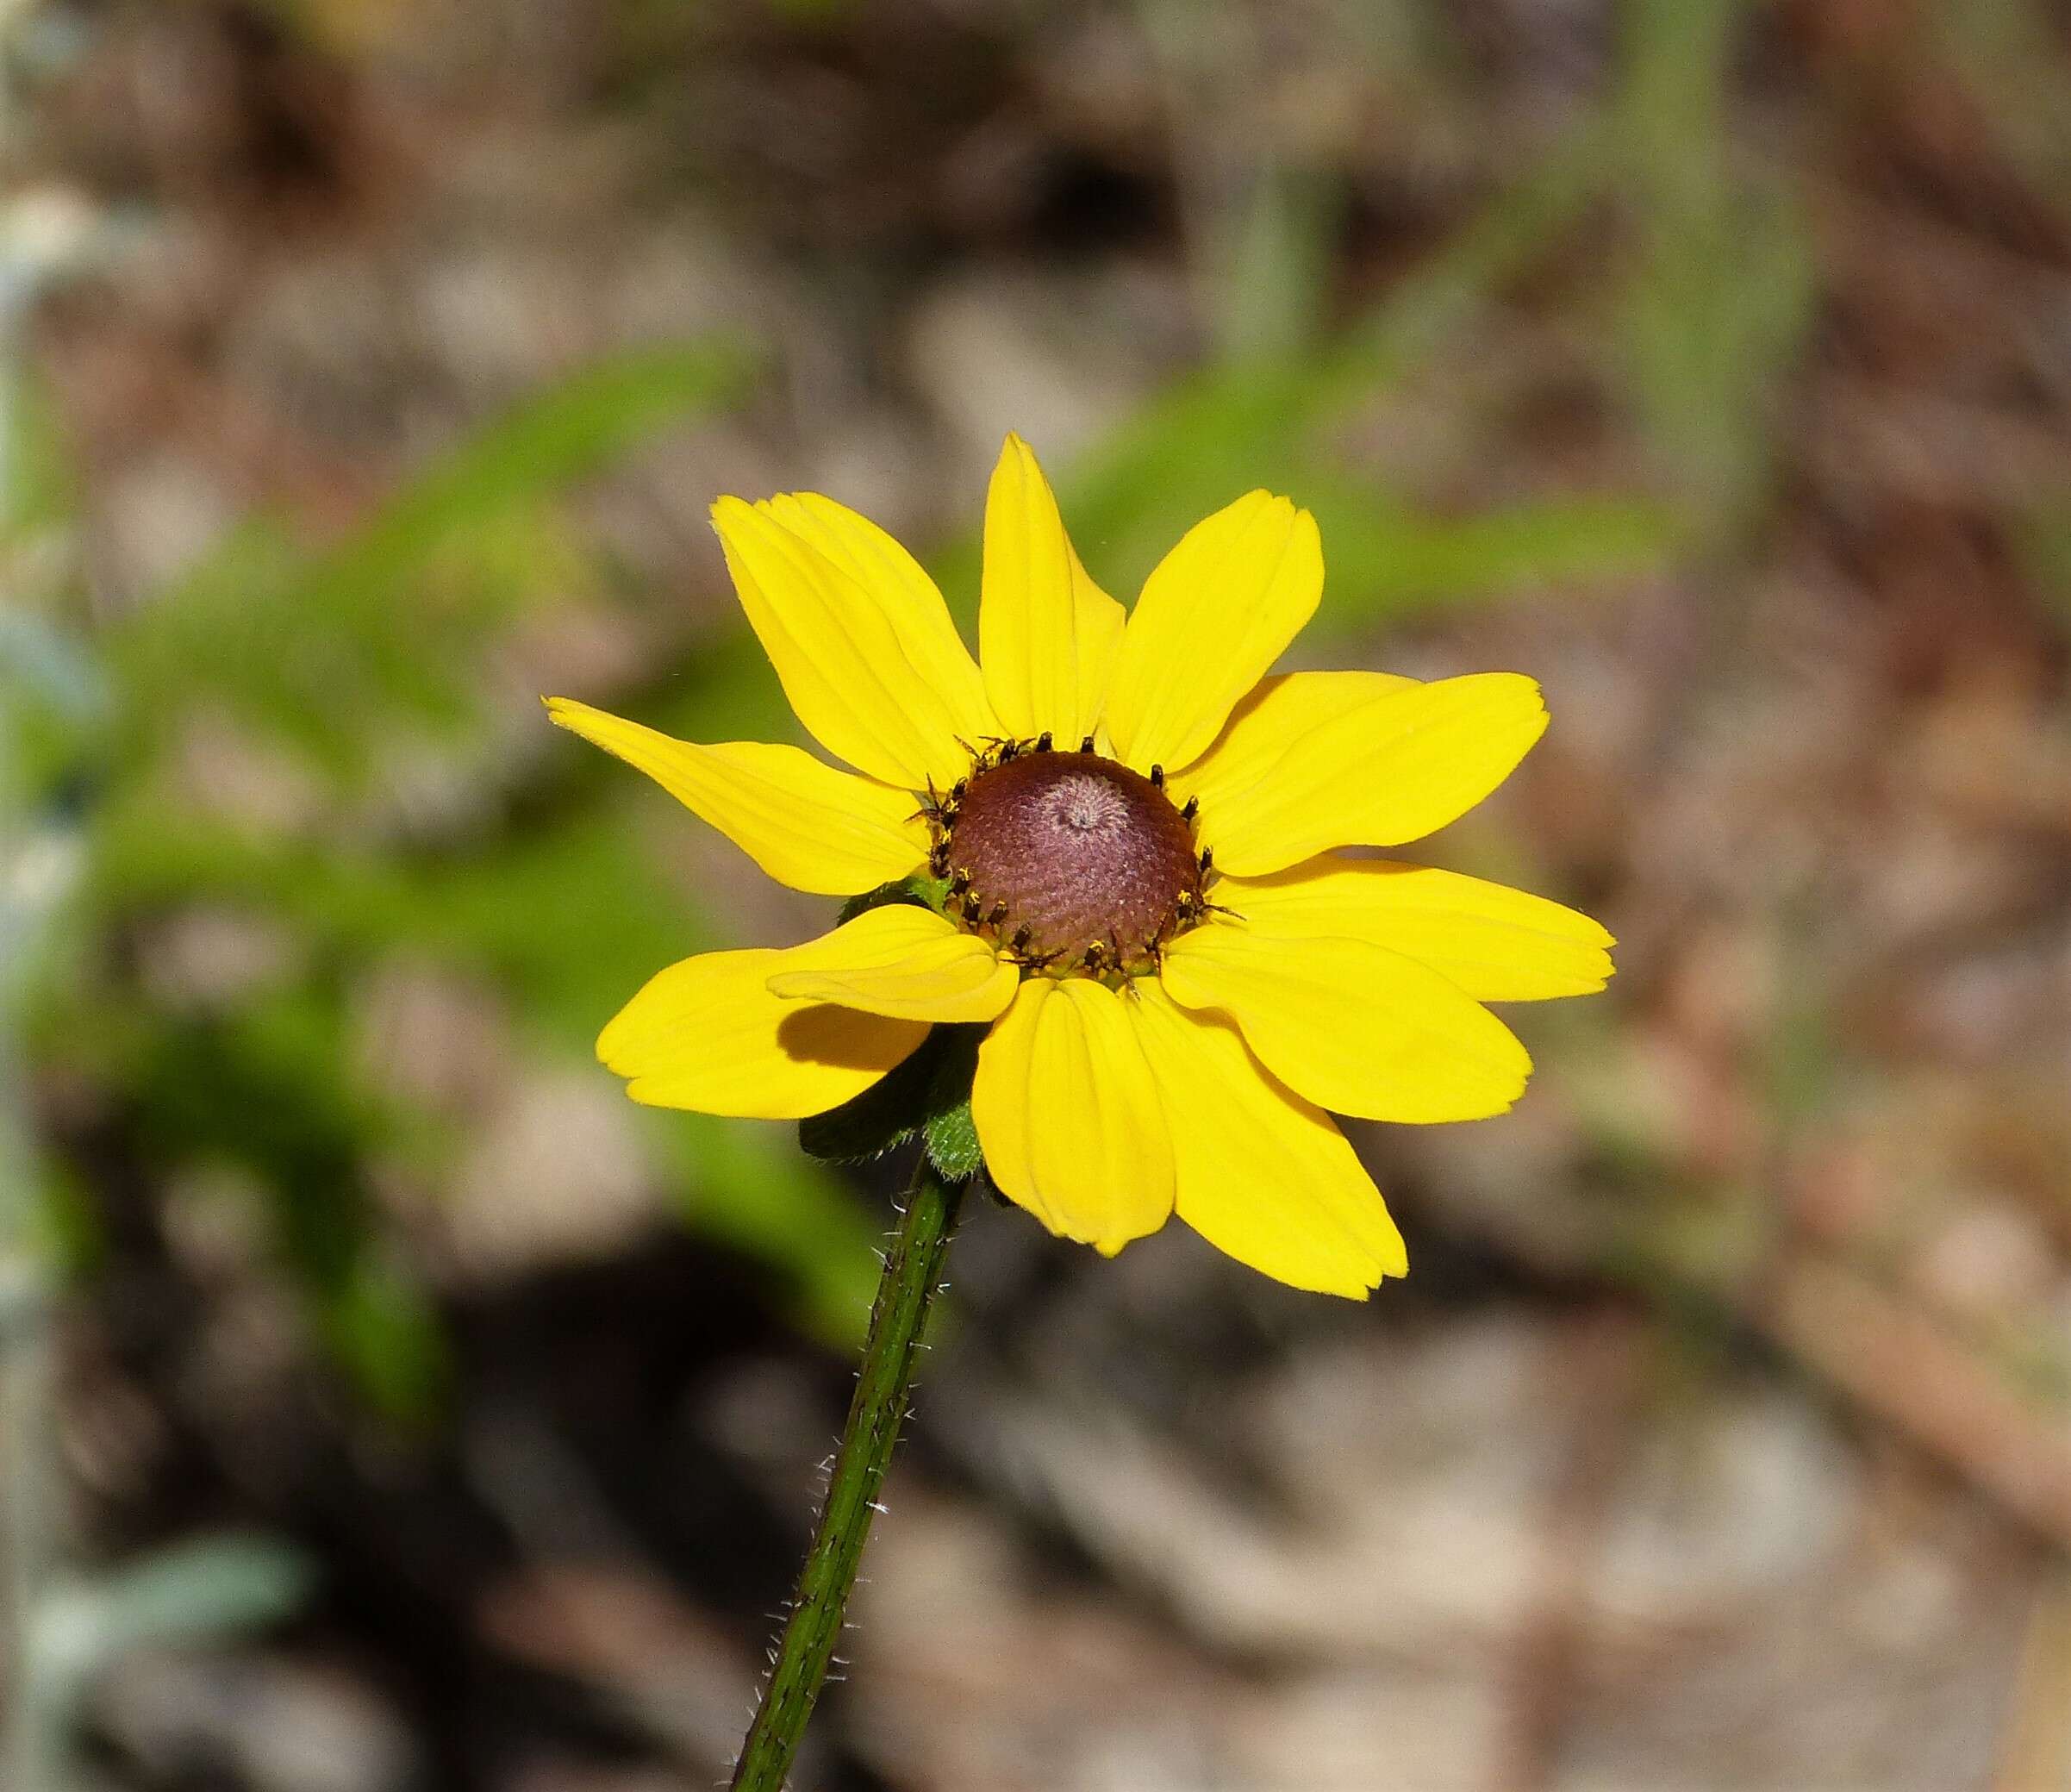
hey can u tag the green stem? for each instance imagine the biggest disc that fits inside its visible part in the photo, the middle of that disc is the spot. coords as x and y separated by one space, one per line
913 1270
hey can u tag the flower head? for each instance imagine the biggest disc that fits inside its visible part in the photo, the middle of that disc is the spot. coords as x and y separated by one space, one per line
1115 843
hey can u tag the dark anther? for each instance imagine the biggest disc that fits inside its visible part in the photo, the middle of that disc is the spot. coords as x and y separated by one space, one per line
1086 745
973 910
1207 860
1157 778
996 914
957 789
1022 935
1096 955
1190 809
1185 904
938 858
1044 741
960 881
1010 750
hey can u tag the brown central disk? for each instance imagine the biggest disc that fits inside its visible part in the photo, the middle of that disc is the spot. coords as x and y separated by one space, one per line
1079 848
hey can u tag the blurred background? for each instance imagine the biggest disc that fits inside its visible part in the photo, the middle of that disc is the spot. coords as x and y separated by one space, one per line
389 1406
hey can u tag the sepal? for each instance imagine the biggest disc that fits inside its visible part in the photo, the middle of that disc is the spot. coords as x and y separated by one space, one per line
929 1094
918 891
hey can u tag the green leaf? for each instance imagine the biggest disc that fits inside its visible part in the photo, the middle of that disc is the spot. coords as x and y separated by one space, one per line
883 1117
929 1094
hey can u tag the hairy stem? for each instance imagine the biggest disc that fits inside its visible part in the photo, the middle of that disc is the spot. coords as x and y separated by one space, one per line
913 1270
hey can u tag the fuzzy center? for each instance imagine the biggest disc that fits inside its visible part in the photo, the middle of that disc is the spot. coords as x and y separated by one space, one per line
1071 859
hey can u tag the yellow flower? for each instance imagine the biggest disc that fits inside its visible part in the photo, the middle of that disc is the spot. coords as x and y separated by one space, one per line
1129 838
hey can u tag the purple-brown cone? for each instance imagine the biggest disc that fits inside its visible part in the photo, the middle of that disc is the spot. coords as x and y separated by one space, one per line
1083 851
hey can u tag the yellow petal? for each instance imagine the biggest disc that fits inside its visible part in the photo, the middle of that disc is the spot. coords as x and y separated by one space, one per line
859 637
1263 1175
708 1034
804 823
1215 614
1392 768
1047 634
901 960
877 562
1352 1026
1069 1117
1495 943
1272 714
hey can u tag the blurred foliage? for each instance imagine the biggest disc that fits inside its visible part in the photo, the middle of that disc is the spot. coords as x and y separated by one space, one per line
1720 293
78 1625
1274 418
328 653
1715 299
347 664
195 1591
2009 55
2043 541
